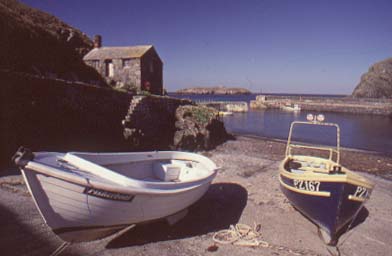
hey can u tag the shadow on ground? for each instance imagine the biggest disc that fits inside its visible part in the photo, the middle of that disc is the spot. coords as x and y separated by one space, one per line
18 238
361 217
220 207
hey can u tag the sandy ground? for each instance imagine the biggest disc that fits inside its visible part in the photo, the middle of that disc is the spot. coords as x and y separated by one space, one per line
246 190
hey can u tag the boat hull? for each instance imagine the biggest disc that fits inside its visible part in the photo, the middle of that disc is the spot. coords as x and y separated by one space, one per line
79 213
331 205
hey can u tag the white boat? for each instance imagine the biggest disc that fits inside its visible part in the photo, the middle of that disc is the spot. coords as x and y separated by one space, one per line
87 196
293 108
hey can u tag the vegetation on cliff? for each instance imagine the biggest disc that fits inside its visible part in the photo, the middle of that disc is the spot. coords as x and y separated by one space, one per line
214 90
377 82
38 43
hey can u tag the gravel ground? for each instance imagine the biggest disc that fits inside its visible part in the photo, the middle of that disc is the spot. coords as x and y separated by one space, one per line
246 190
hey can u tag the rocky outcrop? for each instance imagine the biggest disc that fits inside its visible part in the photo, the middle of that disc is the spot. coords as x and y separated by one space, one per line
214 90
377 82
198 128
150 122
161 123
38 43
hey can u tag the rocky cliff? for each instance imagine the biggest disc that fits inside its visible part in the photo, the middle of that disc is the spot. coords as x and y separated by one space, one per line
377 82
213 90
38 43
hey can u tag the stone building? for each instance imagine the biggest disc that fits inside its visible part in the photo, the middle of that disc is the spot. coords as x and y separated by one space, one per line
137 67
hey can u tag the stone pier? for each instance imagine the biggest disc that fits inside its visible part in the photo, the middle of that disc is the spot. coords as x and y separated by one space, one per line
326 104
230 106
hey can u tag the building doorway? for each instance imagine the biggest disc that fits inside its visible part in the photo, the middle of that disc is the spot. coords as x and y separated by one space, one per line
109 68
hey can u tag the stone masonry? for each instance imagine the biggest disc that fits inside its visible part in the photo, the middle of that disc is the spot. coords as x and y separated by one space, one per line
150 122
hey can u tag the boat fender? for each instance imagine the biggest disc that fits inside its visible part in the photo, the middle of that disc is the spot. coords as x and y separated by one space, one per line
22 157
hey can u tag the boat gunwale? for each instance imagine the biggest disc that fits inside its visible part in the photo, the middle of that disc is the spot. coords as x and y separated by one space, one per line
306 192
117 188
348 177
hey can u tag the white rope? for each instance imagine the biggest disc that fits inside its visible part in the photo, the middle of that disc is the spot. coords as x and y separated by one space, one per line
240 234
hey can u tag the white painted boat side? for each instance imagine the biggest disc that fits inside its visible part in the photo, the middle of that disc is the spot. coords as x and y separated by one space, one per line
75 215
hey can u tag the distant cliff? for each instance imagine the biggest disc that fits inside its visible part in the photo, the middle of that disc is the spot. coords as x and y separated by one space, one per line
38 43
213 90
377 82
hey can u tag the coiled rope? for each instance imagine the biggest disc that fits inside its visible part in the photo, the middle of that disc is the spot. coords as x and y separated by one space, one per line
240 234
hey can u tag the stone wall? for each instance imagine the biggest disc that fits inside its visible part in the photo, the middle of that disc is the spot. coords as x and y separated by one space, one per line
324 104
150 122
152 72
53 115
230 106
162 123
126 73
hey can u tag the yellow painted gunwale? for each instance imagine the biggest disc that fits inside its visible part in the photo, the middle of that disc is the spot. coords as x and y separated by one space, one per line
349 176
357 199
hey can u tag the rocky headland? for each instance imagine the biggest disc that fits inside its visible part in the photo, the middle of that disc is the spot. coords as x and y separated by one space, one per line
40 44
221 90
377 82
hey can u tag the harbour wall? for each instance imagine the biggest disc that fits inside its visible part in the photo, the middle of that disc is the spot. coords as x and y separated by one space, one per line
325 104
55 115
230 106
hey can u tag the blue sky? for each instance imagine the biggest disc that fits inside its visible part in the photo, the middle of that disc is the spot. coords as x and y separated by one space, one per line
277 46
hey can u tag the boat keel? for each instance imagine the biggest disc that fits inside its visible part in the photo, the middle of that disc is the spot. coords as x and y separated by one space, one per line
326 238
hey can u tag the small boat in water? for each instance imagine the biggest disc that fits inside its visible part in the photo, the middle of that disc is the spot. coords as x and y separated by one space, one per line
327 193
87 196
292 108
225 113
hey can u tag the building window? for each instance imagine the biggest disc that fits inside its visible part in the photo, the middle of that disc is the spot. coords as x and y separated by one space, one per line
109 68
95 64
126 62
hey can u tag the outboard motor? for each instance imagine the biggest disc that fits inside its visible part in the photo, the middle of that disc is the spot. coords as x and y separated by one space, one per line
22 157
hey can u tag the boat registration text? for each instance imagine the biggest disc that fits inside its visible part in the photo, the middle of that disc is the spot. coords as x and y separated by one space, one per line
361 192
307 185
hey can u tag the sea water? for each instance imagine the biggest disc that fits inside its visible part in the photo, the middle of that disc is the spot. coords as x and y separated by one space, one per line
359 131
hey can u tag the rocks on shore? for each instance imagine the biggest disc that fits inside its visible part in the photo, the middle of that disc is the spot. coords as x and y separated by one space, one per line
198 127
163 123
214 90
377 82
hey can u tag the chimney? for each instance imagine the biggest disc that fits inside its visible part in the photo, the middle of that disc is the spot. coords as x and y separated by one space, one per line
97 41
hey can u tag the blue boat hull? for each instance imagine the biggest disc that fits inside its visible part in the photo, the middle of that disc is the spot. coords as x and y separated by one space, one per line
331 213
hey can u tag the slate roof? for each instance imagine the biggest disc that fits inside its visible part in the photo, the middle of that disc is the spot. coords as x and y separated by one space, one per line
117 52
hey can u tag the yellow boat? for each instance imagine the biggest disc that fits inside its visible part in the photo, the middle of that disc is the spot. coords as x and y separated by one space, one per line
322 189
